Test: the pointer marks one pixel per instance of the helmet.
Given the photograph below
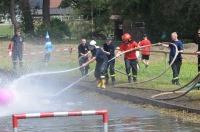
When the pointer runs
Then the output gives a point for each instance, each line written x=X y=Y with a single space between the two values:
x=126 y=37
x=93 y=43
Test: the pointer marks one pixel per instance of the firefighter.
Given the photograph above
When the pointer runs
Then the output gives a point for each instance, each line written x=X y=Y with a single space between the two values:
x=83 y=51
x=17 y=44
x=198 y=50
x=101 y=63
x=109 y=49
x=130 y=58
x=176 y=66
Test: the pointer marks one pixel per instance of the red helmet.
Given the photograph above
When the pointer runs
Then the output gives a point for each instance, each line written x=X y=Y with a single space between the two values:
x=126 y=37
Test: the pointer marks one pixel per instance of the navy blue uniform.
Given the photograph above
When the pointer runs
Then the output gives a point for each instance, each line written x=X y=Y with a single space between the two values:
x=176 y=66
x=111 y=49
x=101 y=63
x=17 y=50
x=197 y=41
x=83 y=49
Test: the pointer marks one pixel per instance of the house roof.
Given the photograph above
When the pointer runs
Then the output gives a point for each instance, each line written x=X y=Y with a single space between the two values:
x=38 y=3
x=55 y=3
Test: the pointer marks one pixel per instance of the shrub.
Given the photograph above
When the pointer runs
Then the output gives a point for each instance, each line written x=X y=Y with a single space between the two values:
x=57 y=29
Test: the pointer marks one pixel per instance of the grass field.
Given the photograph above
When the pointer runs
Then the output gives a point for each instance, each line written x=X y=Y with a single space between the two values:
x=6 y=30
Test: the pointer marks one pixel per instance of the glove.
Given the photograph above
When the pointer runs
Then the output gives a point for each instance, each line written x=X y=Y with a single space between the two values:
x=10 y=53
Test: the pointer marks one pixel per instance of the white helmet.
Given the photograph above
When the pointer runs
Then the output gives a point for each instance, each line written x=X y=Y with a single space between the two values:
x=93 y=43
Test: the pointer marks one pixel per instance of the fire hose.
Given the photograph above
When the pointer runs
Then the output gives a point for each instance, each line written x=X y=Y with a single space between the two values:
x=177 y=52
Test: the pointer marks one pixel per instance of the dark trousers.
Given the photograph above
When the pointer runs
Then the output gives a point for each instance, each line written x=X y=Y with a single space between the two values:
x=111 y=67
x=17 y=54
x=176 y=66
x=131 y=64
x=100 y=70
x=84 y=70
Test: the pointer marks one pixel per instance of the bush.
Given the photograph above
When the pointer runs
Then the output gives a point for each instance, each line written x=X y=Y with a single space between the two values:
x=57 y=29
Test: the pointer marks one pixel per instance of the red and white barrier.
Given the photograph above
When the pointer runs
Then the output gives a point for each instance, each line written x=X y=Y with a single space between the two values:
x=104 y=113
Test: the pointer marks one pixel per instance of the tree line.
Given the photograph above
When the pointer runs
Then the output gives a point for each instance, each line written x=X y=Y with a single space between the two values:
x=163 y=16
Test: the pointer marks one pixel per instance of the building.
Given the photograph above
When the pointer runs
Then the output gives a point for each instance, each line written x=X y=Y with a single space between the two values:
x=55 y=10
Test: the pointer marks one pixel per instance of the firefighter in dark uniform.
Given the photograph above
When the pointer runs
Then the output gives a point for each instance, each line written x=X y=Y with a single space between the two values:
x=109 y=49
x=198 y=50
x=176 y=66
x=101 y=63
x=130 y=58
x=83 y=51
x=17 y=44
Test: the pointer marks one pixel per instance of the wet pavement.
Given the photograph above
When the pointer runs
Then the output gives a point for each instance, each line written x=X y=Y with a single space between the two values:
x=37 y=95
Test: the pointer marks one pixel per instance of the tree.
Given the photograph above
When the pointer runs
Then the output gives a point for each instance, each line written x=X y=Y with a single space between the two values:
x=27 y=17
x=11 y=4
x=45 y=10
x=96 y=11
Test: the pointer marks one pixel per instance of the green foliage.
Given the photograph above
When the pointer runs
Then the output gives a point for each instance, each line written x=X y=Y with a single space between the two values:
x=162 y=16
x=97 y=12
x=57 y=29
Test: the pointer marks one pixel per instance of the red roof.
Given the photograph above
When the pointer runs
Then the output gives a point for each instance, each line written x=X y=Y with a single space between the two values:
x=55 y=3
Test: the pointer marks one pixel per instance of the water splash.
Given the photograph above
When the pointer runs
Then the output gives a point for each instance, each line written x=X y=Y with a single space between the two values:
x=31 y=93
x=73 y=84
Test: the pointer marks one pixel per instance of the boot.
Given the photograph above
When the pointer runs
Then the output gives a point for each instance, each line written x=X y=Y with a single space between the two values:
x=99 y=83
x=103 y=83
x=134 y=79
x=129 y=79
x=113 y=81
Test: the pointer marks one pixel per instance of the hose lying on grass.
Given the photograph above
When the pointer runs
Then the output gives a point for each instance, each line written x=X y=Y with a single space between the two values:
x=189 y=86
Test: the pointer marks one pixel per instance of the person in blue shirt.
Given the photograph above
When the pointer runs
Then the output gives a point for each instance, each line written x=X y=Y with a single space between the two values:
x=109 y=49
x=101 y=63
x=48 y=50
x=176 y=66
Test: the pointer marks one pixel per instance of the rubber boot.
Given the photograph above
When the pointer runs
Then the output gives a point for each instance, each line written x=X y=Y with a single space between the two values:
x=129 y=79
x=113 y=81
x=99 y=83
x=134 y=79
x=103 y=83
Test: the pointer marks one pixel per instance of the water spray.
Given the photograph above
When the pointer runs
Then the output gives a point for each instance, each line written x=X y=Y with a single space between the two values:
x=47 y=73
x=73 y=84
